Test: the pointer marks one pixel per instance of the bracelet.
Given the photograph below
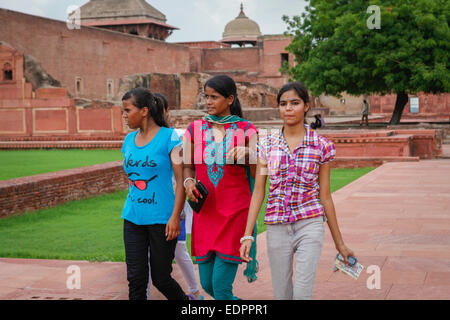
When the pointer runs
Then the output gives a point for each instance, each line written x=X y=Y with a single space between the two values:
x=186 y=180
x=247 y=238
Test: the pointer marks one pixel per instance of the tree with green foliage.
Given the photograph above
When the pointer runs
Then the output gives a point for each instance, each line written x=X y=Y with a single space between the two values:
x=372 y=47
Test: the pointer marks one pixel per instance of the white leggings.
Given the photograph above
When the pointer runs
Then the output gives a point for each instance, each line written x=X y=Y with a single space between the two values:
x=304 y=239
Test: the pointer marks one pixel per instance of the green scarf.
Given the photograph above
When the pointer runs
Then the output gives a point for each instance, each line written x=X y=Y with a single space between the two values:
x=253 y=265
x=223 y=120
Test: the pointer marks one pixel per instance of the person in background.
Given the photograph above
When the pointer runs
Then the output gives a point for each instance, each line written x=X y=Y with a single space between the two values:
x=365 y=113
x=318 y=123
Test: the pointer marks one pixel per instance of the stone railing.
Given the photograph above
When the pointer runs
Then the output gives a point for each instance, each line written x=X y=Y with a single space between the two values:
x=50 y=189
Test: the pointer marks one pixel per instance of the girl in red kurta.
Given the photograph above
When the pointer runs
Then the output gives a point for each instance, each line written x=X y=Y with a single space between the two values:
x=219 y=157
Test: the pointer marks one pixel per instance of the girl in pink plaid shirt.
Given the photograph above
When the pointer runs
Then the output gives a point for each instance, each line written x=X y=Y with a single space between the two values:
x=296 y=159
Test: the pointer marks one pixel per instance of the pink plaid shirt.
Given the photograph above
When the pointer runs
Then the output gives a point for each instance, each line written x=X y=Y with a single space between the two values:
x=294 y=185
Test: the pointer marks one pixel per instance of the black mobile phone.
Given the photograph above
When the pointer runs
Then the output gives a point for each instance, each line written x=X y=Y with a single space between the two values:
x=196 y=206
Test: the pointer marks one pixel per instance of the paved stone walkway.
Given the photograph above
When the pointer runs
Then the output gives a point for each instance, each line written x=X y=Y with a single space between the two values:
x=397 y=218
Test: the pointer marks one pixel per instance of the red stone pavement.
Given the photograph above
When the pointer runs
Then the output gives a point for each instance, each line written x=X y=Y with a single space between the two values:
x=397 y=217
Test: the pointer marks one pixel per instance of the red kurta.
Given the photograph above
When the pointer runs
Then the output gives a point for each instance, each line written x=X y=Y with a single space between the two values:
x=222 y=220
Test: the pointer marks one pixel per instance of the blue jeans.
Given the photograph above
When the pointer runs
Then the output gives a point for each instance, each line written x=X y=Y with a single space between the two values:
x=217 y=277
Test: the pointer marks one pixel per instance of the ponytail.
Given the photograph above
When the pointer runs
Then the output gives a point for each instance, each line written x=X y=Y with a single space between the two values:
x=158 y=112
x=162 y=99
x=235 y=108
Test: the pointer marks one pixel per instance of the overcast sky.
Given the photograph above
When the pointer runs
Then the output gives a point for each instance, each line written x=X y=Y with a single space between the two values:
x=198 y=20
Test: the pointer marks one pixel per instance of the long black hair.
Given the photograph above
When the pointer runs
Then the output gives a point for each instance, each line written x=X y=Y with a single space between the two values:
x=144 y=98
x=226 y=86
x=299 y=88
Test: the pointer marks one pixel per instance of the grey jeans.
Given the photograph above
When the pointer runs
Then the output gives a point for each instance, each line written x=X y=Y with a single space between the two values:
x=304 y=239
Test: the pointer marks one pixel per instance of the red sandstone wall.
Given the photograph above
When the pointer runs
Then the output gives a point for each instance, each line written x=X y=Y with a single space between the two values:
x=231 y=59
x=52 y=113
x=258 y=64
x=95 y=56
x=92 y=54
x=196 y=59
x=428 y=104
x=271 y=60
x=15 y=59
x=49 y=111
x=189 y=89
x=49 y=189
x=169 y=85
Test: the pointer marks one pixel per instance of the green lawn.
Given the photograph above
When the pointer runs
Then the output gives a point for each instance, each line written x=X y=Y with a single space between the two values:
x=90 y=229
x=22 y=163
x=341 y=177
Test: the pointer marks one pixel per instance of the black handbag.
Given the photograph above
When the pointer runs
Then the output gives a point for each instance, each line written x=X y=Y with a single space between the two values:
x=196 y=206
